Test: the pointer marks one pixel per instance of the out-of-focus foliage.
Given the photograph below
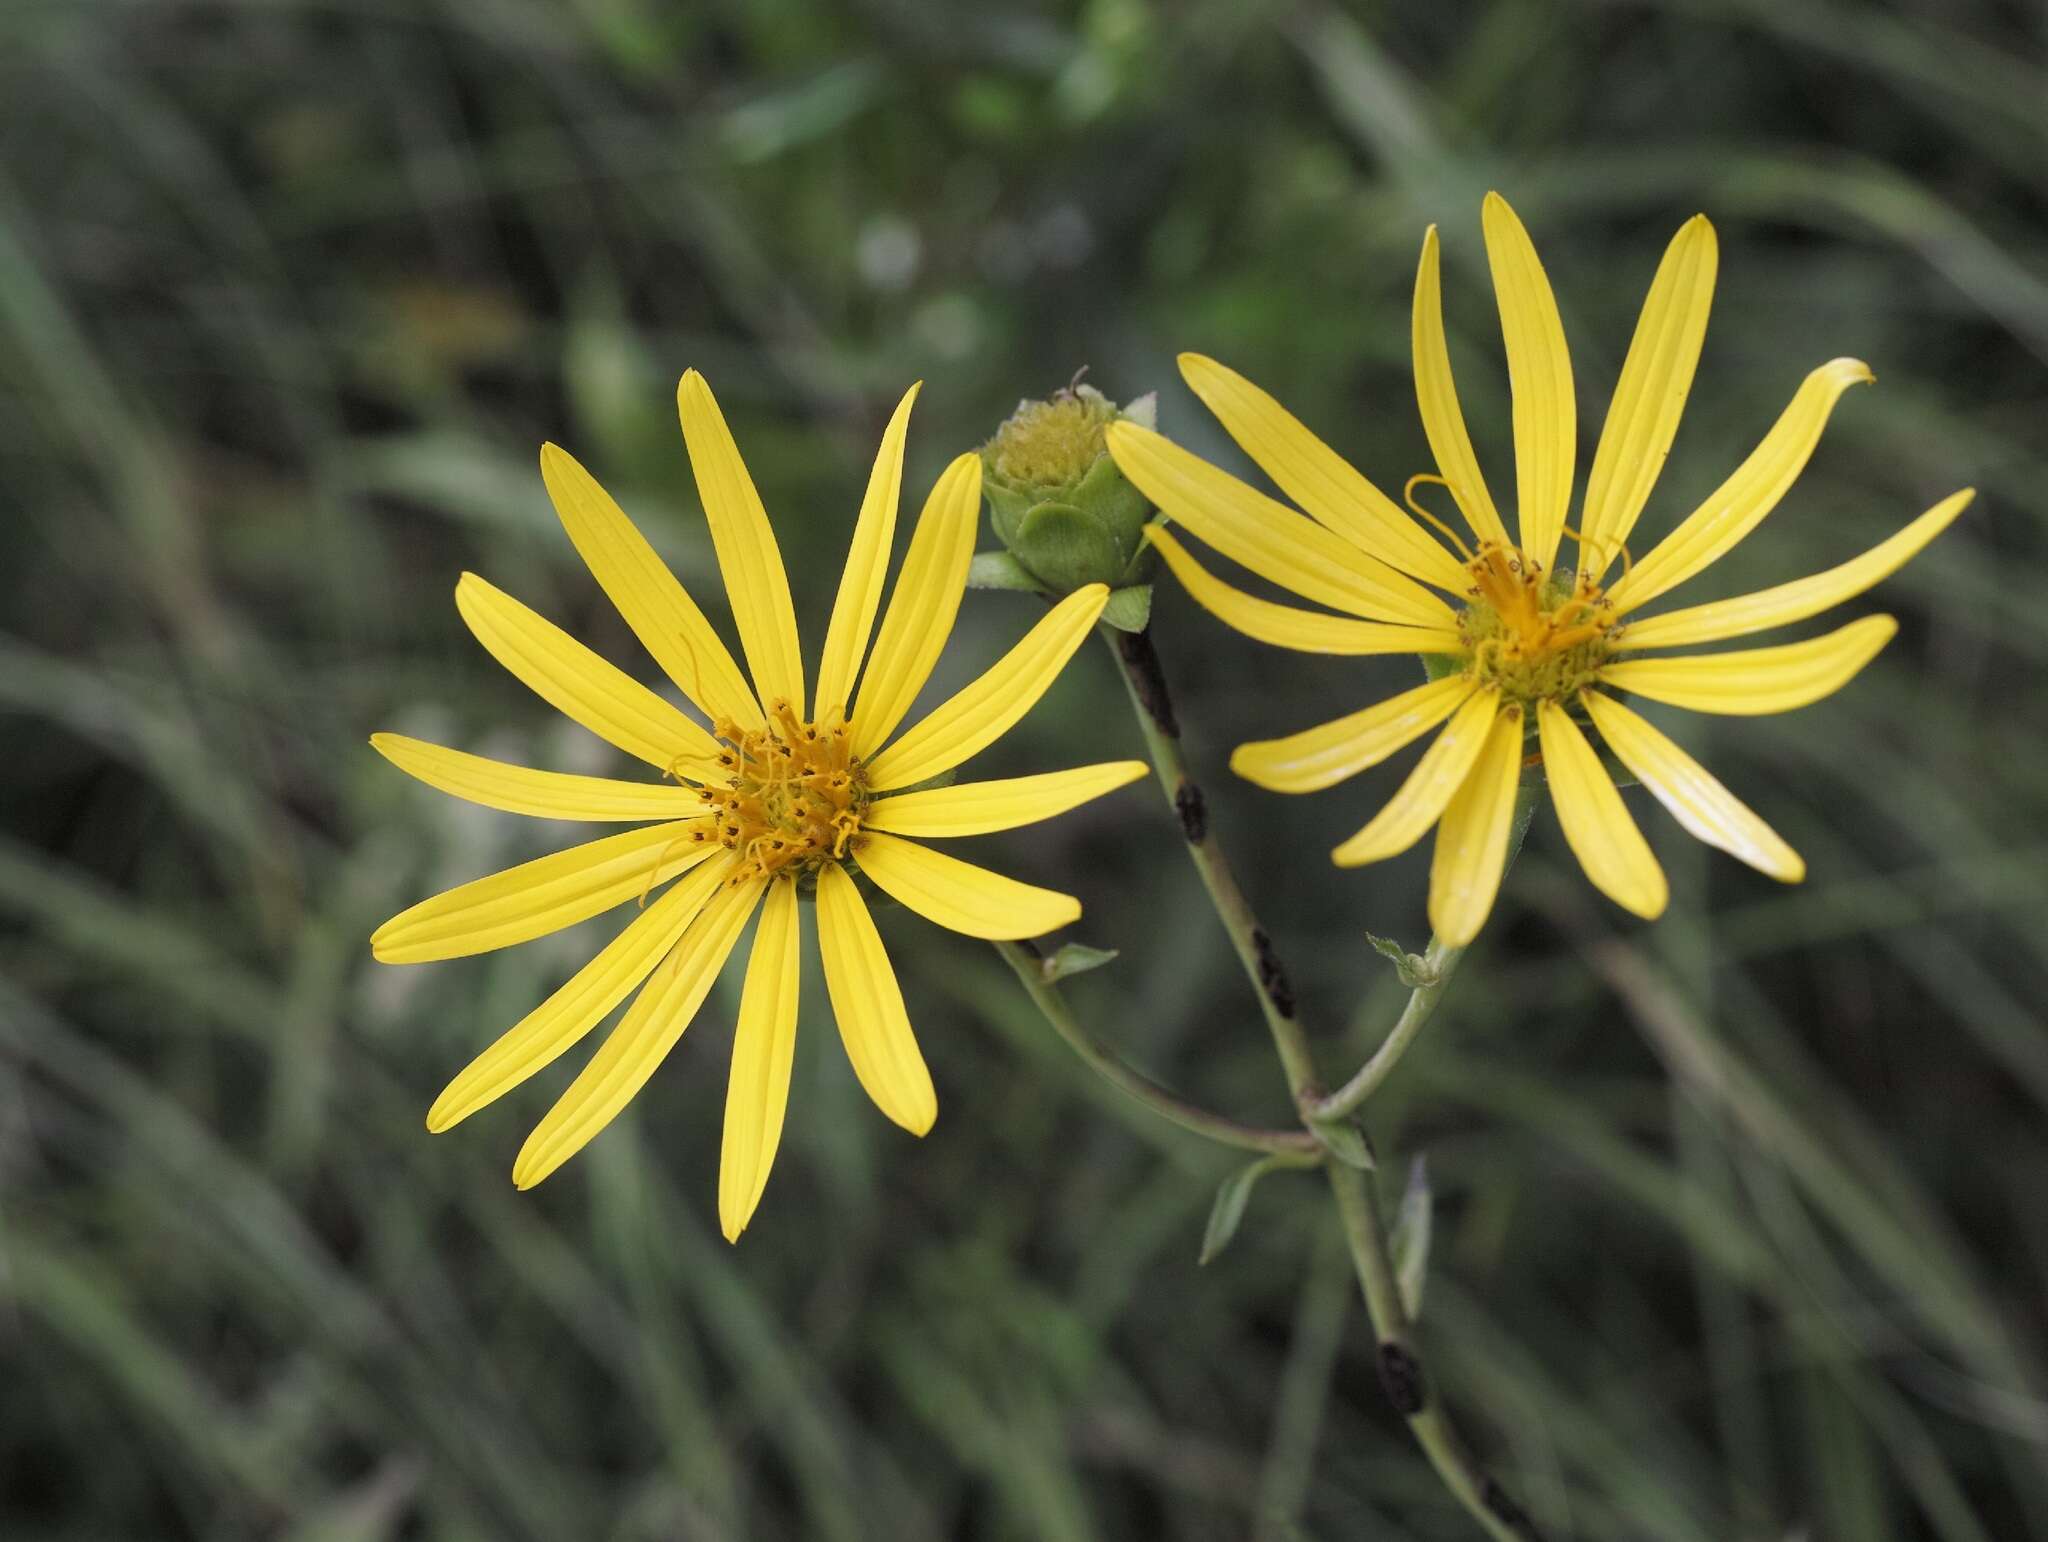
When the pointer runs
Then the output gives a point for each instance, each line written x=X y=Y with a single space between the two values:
x=1738 y=1227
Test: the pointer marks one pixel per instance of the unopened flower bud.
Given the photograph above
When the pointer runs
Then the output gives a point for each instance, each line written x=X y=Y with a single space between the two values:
x=1057 y=500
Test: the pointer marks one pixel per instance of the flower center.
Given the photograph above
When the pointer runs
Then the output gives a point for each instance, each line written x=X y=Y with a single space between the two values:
x=794 y=796
x=1530 y=635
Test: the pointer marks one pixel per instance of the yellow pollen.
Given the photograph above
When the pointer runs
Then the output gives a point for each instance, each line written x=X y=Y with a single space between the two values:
x=1533 y=636
x=794 y=796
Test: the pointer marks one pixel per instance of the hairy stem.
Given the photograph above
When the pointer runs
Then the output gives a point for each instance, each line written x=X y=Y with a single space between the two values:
x=1126 y=1078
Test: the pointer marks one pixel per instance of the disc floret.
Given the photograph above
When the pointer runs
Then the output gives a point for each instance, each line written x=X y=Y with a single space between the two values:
x=1531 y=635
x=794 y=794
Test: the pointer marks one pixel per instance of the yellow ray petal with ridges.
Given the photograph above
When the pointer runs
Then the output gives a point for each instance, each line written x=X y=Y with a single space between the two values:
x=650 y=597
x=922 y=608
x=763 y=1049
x=649 y=1030
x=524 y=790
x=1317 y=478
x=975 y=808
x=1804 y=597
x=981 y=713
x=755 y=582
x=960 y=896
x=582 y=1003
x=1739 y=504
x=1472 y=839
x=1274 y=541
x=541 y=896
x=1546 y=412
x=1436 y=394
x=1286 y=626
x=1597 y=825
x=576 y=682
x=1421 y=798
x=1753 y=681
x=867 y=565
x=868 y=1005
x=1708 y=811
x=1650 y=396
x=1325 y=755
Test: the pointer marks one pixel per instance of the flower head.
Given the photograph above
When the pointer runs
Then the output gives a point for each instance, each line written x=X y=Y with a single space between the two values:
x=783 y=794
x=1526 y=652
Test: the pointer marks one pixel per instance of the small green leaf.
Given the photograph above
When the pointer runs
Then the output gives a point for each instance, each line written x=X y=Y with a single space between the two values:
x=1231 y=1196
x=1067 y=546
x=1413 y=968
x=1000 y=570
x=1347 y=1143
x=1074 y=958
x=1129 y=610
x=1411 y=1238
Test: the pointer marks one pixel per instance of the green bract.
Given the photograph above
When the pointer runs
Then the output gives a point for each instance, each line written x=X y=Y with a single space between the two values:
x=1056 y=498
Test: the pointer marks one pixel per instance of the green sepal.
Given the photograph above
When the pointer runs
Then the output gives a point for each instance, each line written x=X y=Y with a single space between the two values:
x=1000 y=570
x=1232 y=1194
x=1129 y=609
x=1066 y=548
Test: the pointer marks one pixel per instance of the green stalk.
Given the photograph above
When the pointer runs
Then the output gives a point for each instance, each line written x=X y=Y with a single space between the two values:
x=1297 y=1144
x=1365 y=1234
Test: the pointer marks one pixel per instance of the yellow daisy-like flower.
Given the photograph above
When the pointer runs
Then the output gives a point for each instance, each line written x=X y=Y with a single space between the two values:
x=1526 y=649
x=766 y=801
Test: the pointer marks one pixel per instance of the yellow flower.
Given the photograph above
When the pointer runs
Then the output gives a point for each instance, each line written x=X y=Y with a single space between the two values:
x=1523 y=647
x=766 y=801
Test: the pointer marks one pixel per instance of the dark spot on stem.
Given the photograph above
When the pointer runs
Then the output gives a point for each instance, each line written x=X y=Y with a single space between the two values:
x=1401 y=1379
x=1148 y=679
x=1507 y=1512
x=1273 y=975
x=1194 y=812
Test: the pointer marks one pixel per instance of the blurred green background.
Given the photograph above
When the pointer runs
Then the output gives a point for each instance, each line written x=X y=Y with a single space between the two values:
x=1740 y=1230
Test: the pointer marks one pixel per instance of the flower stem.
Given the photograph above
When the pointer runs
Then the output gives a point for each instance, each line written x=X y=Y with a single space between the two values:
x=1052 y=1003
x=1146 y=681
x=1365 y=1233
x=1438 y=964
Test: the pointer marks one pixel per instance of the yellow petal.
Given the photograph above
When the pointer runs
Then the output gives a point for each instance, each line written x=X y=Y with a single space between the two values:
x=1317 y=478
x=1285 y=626
x=1437 y=395
x=763 y=1049
x=981 y=713
x=960 y=896
x=1754 y=681
x=1325 y=755
x=1272 y=540
x=748 y=557
x=869 y=1006
x=523 y=790
x=1708 y=811
x=1596 y=824
x=1472 y=841
x=643 y=1038
x=922 y=608
x=1643 y=417
x=975 y=808
x=1546 y=413
x=650 y=597
x=867 y=564
x=543 y=895
x=1794 y=601
x=1739 y=504
x=582 y=1003
x=576 y=682
x=1421 y=798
